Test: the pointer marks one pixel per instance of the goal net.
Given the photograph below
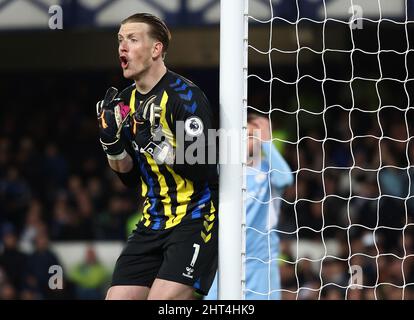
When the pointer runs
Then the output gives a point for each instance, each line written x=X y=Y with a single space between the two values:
x=335 y=80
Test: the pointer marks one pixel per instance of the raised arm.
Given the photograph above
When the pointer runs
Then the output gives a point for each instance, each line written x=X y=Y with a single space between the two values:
x=281 y=174
x=112 y=114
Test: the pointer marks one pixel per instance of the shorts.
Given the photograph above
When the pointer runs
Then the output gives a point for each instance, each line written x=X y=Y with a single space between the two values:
x=186 y=253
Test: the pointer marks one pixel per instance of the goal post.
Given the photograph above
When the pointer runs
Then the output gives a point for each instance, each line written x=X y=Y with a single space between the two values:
x=233 y=104
x=336 y=82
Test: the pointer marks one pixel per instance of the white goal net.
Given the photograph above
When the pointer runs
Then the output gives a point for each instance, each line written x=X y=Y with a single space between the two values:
x=335 y=79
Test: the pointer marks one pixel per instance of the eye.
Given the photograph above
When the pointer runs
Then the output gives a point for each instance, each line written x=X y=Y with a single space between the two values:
x=133 y=40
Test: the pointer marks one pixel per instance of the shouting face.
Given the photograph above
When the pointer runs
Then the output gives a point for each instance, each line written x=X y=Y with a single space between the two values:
x=137 y=50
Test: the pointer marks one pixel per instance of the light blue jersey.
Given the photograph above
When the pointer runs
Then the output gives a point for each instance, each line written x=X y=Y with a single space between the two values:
x=264 y=183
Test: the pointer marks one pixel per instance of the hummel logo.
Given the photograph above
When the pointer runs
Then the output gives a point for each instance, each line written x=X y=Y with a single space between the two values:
x=189 y=272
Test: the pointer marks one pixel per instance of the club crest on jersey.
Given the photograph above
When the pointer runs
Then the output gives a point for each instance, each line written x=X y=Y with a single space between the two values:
x=194 y=126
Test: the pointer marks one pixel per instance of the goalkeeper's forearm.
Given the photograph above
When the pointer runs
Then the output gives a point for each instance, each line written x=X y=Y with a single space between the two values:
x=127 y=171
x=122 y=166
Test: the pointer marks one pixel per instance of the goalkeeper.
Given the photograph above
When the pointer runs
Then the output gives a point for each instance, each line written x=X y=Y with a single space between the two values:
x=268 y=174
x=154 y=134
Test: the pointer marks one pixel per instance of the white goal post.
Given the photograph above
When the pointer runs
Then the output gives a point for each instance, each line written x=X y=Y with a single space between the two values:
x=233 y=104
x=337 y=77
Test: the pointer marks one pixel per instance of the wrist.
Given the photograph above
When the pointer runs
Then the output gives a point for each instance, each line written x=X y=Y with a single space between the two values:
x=121 y=166
x=117 y=157
x=114 y=148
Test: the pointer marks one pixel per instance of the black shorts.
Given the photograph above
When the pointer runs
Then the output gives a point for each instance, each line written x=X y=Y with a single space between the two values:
x=186 y=253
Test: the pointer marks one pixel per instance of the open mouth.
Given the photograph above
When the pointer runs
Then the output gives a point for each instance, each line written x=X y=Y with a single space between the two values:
x=124 y=62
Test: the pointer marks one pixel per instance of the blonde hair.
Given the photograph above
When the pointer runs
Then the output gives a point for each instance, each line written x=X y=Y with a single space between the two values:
x=158 y=29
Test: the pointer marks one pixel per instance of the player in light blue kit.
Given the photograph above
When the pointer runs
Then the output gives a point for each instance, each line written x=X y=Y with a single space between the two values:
x=268 y=174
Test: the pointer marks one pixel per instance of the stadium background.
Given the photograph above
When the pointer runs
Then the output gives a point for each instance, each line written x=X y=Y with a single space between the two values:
x=60 y=204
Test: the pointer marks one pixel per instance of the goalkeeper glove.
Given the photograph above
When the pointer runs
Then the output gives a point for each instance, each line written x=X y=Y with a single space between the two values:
x=147 y=133
x=112 y=115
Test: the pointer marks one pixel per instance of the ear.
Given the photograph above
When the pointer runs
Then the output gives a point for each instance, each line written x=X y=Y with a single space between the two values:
x=157 y=49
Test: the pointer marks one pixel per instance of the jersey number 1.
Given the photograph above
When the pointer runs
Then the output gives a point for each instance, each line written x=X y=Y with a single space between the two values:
x=195 y=255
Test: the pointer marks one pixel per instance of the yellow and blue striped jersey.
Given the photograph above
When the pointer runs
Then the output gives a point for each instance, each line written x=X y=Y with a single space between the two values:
x=176 y=192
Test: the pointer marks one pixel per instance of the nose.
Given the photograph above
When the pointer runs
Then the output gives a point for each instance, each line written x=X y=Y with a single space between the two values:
x=123 y=47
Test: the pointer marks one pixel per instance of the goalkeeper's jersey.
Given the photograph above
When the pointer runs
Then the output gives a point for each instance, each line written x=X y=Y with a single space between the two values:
x=181 y=191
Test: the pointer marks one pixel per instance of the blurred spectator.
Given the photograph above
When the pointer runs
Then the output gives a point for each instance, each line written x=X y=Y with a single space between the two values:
x=39 y=263
x=90 y=277
x=334 y=272
x=8 y=292
x=72 y=220
x=82 y=215
x=333 y=293
x=12 y=260
x=29 y=163
x=309 y=290
x=96 y=193
x=355 y=294
x=30 y=294
x=112 y=223
x=5 y=154
x=33 y=225
x=3 y=276
x=55 y=167
x=288 y=279
x=305 y=273
x=393 y=181
x=16 y=194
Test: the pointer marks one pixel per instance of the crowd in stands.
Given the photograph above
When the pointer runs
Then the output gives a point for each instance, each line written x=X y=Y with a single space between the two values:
x=55 y=186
